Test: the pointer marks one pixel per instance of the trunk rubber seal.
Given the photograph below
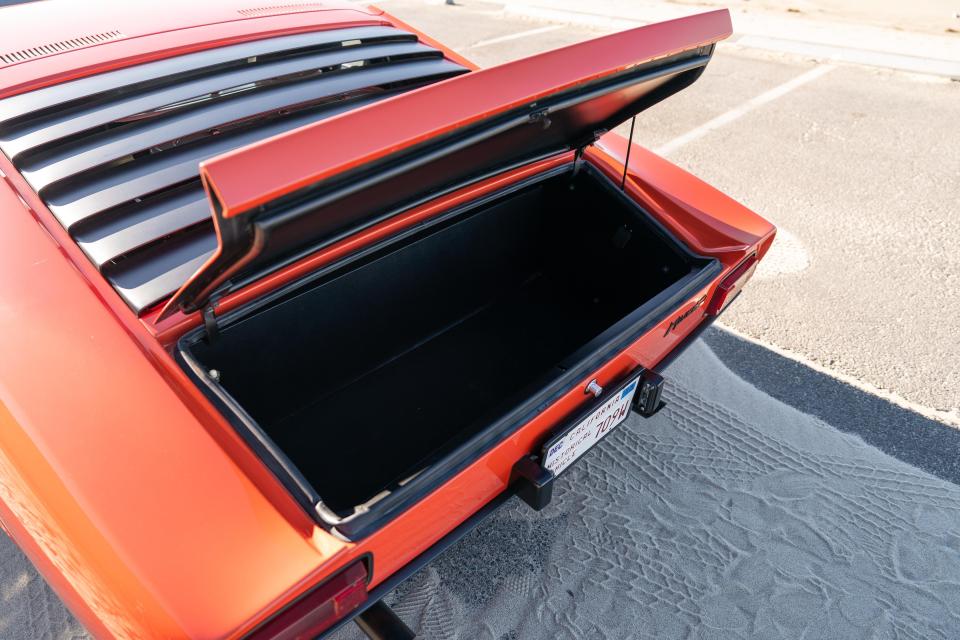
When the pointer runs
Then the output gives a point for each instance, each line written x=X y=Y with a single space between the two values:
x=458 y=533
x=371 y=516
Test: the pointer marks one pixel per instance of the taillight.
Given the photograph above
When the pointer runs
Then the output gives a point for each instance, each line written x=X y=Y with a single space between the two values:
x=728 y=289
x=317 y=611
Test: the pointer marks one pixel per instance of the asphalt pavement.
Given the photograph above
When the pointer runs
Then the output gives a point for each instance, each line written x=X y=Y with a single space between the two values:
x=857 y=164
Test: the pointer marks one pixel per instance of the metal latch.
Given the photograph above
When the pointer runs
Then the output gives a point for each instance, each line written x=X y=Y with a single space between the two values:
x=594 y=388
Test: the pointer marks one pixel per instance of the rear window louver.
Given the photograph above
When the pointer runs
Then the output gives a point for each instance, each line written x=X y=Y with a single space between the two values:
x=116 y=156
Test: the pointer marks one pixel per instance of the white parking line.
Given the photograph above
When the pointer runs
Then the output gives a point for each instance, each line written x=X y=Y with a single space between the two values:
x=855 y=44
x=883 y=59
x=740 y=111
x=951 y=418
x=516 y=36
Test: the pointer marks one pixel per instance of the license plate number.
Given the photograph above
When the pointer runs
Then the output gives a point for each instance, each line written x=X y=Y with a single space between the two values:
x=566 y=447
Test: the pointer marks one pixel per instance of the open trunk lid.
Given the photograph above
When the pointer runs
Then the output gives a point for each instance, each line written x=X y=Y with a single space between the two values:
x=279 y=199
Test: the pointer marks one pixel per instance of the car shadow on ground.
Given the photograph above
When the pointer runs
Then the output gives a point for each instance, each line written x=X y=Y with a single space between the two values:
x=898 y=432
x=667 y=506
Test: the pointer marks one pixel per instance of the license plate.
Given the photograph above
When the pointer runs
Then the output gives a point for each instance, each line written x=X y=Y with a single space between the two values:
x=566 y=447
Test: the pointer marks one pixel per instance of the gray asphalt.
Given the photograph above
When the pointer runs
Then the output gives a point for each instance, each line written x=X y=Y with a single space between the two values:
x=860 y=168
x=898 y=432
x=726 y=516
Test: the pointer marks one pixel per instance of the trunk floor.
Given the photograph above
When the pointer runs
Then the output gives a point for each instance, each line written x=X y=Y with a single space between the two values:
x=386 y=425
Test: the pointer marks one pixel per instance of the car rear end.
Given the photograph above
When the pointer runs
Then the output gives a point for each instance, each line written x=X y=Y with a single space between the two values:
x=315 y=415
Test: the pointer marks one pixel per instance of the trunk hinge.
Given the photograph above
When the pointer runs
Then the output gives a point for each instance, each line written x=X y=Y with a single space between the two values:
x=626 y=161
x=210 y=324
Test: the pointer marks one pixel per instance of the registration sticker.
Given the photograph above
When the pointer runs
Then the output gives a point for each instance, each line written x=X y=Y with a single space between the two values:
x=566 y=447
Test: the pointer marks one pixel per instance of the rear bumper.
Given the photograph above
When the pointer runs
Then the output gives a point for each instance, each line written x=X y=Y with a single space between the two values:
x=453 y=537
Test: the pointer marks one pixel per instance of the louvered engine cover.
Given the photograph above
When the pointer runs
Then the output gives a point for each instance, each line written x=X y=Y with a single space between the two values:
x=116 y=156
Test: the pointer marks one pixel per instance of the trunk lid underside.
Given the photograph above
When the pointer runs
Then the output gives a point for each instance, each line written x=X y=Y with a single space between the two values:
x=277 y=200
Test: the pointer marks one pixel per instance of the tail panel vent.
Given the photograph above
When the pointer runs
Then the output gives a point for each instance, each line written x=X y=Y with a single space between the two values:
x=295 y=7
x=13 y=57
x=116 y=156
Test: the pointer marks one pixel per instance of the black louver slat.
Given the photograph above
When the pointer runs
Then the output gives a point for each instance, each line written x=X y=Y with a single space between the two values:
x=180 y=129
x=116 y=235
x=116 y=156
x=105 y=86
x=116 y=116
x=163 y=267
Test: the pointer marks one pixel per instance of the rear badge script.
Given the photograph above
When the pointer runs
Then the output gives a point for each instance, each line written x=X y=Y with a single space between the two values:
x=686 y=314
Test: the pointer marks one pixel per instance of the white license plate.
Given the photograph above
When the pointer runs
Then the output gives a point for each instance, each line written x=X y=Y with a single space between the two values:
x=566 y=447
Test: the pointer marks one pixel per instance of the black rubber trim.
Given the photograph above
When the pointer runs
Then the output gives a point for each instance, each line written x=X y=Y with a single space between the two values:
x=175 y=128
x=76 y=199
x=127 y=111
x=434 y=552
x=264 y=446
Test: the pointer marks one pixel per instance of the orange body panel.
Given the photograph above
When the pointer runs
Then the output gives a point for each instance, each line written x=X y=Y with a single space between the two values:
x=133 y=496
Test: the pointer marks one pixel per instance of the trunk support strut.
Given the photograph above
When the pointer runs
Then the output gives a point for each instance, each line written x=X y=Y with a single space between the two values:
x=626 y=162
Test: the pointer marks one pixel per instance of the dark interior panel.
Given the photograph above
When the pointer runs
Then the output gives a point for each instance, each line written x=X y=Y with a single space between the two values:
x=371 y=374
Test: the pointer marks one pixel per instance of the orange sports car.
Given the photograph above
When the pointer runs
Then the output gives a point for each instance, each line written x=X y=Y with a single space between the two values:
x=292 y=296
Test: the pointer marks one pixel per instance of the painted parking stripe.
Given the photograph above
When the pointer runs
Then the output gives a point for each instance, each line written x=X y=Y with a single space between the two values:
x=516 y=36
x=897 y=58
x=883 y=59
x=951 y=418
x=745 y=108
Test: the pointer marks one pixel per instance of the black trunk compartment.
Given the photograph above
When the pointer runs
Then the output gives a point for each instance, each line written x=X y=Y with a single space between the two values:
x=366 y=384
